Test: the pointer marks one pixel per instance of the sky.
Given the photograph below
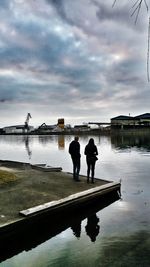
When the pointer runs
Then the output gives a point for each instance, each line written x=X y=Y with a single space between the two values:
x=83 y=60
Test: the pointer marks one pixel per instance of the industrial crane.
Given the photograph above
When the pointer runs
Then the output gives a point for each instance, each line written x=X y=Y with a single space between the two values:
x=26 y=124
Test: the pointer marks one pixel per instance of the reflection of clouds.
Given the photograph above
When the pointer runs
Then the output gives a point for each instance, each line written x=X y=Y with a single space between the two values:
x=124 y=205
x=9 y=139
x=145 y=154
x=45 y=139
x=55 y=139
x=132 y=248
x=138 y=192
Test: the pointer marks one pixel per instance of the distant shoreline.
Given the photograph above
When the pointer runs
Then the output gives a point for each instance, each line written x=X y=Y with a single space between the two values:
x=139 y=130
x=61 y=133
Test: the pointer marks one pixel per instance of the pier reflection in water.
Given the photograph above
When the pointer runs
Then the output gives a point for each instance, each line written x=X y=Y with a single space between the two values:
x=124 y=225
x=33 y=235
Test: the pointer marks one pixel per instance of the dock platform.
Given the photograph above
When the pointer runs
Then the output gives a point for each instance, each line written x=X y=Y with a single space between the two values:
x=36 y=201
x=35 y=191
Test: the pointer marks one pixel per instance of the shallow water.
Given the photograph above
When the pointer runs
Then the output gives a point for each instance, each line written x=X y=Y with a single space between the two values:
x=123 y=231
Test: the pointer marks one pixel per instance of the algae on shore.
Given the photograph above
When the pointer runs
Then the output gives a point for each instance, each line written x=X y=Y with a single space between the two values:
x=6 y=177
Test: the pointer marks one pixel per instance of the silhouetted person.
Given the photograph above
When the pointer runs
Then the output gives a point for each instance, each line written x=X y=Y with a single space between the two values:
x=74 y=150
x=92 y=227
x=76 y=228
x=91 y=152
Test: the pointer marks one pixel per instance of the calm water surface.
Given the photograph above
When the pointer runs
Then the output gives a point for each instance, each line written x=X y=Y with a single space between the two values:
x=122 y=236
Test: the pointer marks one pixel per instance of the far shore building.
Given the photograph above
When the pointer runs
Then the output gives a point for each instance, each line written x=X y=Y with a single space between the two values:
x=125 y=122
x=119 y=121
x=16 y=129
x=82 y=128
x=143 y=119
x=44 y=128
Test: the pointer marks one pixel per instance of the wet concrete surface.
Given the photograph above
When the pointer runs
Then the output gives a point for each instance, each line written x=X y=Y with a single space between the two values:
x=34 y=187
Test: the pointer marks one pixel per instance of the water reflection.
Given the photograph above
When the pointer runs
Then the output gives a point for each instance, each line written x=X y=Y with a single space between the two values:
x=12 y=139
x=51 y=225
x=76 y=228
x=26 y=139
x=45 y=139
x=59 y=139
x=128 y=141
x=117 y=141
x=27 y=145
x=122 y=224
x=61 y=142
x=92 y=227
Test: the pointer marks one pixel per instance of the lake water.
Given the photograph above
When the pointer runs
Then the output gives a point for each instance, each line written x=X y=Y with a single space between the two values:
x=122 y=235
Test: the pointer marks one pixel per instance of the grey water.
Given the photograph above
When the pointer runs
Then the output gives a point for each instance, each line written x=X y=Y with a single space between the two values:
x=122 y=235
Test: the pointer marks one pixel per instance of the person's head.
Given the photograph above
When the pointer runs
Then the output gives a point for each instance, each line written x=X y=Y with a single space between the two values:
x=91 y=141
x=76 y=138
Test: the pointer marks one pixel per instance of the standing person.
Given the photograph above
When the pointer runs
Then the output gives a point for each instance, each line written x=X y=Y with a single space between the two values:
x=74 y=150
x=91 y=152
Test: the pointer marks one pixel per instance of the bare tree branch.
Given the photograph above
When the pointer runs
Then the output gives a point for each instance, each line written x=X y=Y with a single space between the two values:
x=114 y=3
x=136 y=7
x=137 y=14
x=146 y=5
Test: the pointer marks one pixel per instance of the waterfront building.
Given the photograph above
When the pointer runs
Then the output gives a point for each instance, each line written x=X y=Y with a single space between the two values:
x=125 y=122
x=82 y=128
x=15 y=129
x=143 y=119
x=44 y=128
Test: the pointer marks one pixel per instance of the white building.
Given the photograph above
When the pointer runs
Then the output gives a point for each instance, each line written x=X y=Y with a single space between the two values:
x=17 y=129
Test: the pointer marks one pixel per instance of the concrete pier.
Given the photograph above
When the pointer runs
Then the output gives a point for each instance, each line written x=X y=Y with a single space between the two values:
x=35 y=191
x=37 y=204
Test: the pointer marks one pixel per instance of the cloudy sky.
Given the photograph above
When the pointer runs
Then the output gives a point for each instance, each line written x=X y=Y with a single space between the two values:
x=81 y=60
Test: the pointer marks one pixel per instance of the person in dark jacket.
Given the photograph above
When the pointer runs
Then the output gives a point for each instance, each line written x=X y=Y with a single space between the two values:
x=74 y=150
x=91 y=152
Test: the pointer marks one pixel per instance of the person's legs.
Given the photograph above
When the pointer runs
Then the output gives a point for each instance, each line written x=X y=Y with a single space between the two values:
x=74 y=168
x=93 y=171
x=88 y=170
x=77 y=168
